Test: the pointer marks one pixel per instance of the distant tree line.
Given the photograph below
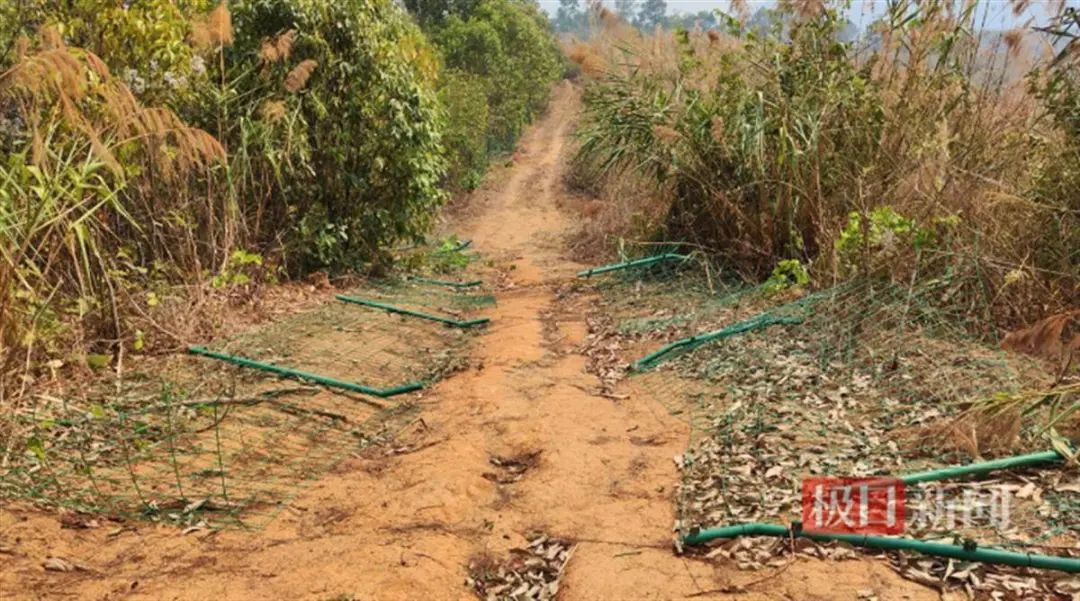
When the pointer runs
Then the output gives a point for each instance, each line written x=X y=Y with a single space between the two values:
x=572 y=17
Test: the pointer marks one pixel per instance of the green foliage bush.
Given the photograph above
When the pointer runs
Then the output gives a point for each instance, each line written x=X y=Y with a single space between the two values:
x=464 y=98
x=162 y=142
x=368 y=115
x=787 y=273
x=501 y=49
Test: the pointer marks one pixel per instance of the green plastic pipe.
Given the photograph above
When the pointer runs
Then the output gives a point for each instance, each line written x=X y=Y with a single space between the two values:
x=962 y=552
x=462 y=245
x=999 y=556
x=468 y=284
x=631 y=264
x=983 y=467
x=757 y=322
x=392 y=309
x=303 y=375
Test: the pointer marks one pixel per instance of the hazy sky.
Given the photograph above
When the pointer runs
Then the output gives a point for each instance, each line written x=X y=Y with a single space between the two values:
x=999 y=12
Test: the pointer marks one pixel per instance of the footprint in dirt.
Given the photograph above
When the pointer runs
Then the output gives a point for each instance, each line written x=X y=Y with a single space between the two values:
x=512 y=468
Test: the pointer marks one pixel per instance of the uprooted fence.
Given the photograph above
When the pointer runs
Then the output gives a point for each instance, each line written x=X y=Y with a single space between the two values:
x=866 y=378
x=221 y=439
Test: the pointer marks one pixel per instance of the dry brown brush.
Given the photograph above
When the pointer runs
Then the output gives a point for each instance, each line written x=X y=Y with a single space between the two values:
x=925 y=150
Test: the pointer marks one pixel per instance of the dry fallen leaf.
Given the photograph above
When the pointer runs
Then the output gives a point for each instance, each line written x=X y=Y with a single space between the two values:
x=59 y=564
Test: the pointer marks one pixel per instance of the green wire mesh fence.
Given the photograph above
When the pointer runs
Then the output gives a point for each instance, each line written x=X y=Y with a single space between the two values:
x=866 y=378
x=228 y=446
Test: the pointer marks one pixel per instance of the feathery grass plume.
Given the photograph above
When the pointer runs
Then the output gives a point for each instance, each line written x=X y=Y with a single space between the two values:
x=277 y=49
x=298 y=77
x=716 y=129
x=268 y=53
x=213 y=30
x=75 y=85
x=808 y=9
x=50 y=38
x=741 y=8
x=583 y=54
x=1014 y=41
x=272 y=111
x=607 y=19
x=220 y=24
x=284 y=44
x=665 y=133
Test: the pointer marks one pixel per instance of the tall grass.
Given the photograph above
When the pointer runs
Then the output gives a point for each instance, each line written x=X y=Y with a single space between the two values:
x=917 y=152
x=94 y=180
x=193 y=150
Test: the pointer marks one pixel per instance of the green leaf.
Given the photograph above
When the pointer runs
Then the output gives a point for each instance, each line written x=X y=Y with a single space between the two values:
x=37 y=447
x=98 y=361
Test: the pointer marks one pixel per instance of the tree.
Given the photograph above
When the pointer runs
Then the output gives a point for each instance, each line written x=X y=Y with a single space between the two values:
x=705 y=19
x=652 y=14
x=569 y=17
x=428 y=12
x=625 y=8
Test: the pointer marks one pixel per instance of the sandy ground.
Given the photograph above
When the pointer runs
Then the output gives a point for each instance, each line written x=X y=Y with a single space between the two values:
x=407 y=526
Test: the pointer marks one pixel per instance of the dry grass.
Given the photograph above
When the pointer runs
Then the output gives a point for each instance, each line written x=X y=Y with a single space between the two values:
x=65 y=229
x=298 y=77
x=623 y=209
x=214 y=30
x=278 y=49
x=764 y=166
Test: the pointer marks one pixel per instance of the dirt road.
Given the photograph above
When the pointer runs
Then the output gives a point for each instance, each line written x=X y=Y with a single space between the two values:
x=407 y=526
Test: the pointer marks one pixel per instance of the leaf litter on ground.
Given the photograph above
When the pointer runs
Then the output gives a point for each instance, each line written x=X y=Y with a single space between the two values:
x=769 y=408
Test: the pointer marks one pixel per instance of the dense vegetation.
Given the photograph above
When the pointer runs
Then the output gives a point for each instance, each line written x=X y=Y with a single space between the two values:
x=491 y=88
x=916 y=152
x=157 y=153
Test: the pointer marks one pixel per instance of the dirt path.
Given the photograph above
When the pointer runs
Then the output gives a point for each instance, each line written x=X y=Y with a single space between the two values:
x=406 y=526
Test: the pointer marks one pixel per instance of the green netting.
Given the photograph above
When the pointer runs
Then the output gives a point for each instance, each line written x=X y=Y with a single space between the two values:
x=360 y=344
x=225 y=445
x=867 y=382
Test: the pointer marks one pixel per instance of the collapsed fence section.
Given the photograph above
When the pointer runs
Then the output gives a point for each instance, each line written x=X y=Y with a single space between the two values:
x=222 y=440
x=868 y=378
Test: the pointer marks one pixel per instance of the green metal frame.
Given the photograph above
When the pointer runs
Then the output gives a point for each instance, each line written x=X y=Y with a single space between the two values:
x=968 y=552
x=962 y=552
x=757 y=322
x=632 y=264
x=297 y=374
x=468 y=323
x=469 y=284
x=984 y=467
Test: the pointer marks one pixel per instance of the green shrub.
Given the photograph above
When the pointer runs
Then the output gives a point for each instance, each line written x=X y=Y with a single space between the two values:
x=509 y=48
x=181 y=143
x=464 y=98
x=368 y=112
x=787 y=273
